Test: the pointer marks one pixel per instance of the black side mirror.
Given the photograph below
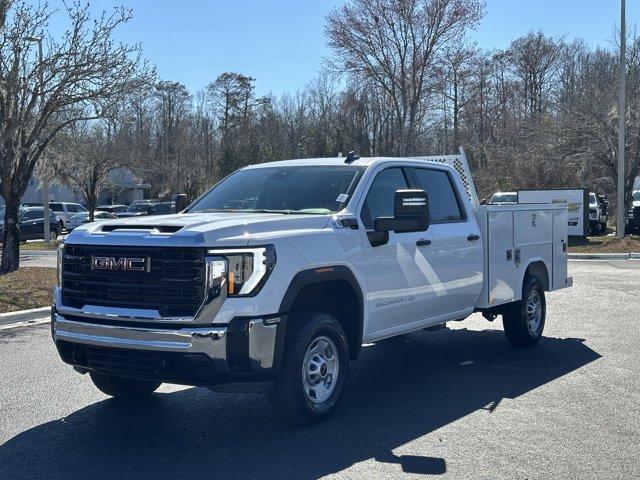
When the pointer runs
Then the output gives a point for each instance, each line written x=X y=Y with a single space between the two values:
x=181 y=202
x=410 y=213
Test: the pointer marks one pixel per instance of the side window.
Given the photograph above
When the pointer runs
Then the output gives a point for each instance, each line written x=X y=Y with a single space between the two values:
x=379 y=201
x=80 y=208
x=443 y=204
x=55 y=207
x=71 y=208
x=33 y=215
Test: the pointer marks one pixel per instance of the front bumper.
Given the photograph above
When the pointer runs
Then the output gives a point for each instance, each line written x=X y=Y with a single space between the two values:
x=246 y=350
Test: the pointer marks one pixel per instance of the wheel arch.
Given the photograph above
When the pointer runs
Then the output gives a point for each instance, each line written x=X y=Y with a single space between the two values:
x=537 y=267
x=332 y=289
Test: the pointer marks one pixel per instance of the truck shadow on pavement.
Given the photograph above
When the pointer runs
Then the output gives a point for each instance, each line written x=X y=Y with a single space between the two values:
x=399 y=391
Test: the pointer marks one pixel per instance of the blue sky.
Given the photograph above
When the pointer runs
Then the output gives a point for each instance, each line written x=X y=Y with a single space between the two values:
x=281 y=42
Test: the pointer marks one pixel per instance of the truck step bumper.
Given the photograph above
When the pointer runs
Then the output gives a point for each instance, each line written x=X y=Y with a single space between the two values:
x=244 y=349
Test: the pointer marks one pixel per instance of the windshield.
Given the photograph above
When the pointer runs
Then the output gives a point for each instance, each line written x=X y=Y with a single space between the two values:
x=636 y=195
x=138 y=207
x=592 y=198
x=504 y=198
x=317 y=189
x=79 y=216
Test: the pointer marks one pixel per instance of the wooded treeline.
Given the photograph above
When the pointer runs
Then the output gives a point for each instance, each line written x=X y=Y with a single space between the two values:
x=541 y=113
x=402 y=78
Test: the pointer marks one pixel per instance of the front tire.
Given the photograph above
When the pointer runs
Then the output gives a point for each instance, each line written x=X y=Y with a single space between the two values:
x=314 y=369
x=125 y=388
x=524 y=320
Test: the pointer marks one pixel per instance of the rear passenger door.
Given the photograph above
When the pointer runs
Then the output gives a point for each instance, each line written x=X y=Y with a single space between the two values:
x=457 y=245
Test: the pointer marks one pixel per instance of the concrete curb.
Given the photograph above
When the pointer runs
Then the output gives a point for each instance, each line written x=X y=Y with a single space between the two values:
x=603 y=256
x=24 y=315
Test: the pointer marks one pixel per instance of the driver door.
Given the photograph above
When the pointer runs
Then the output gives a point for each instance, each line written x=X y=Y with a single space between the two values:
x=399 y=274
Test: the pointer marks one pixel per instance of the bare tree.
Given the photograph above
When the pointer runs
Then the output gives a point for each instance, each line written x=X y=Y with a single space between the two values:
x=85 y=154
x=40 y=98
x=394 y=43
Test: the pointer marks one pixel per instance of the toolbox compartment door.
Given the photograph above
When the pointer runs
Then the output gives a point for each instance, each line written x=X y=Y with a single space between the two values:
x=560 y=247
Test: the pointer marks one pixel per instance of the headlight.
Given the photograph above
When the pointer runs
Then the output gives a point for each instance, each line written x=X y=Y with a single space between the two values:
x=245 y=269
x=59 y=264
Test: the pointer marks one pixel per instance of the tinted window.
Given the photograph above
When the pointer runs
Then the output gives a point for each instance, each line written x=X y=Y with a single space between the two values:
x=160 y=209
x=317 y=189
x=71 y=208
x=56 y=207
x=443 y=204
x=80 y=208
x=33 y=215
x=381 y=196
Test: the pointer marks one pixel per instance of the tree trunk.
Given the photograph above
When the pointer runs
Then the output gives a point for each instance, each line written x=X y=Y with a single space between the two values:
x=91 y=206
x=10 y=237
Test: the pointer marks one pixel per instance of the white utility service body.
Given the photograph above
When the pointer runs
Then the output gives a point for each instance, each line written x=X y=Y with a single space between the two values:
x=517 y=236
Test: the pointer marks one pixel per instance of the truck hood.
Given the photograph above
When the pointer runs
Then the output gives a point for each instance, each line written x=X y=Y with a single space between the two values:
x=193 y=229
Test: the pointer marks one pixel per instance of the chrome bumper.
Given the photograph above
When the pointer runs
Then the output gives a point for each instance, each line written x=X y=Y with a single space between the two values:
x=210 y=341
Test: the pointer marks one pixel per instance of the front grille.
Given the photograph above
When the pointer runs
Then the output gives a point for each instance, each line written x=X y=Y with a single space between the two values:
x=592 y=211
x=174 y=284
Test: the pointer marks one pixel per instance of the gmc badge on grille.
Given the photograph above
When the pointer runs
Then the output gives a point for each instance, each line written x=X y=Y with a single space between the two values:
x=126 y=264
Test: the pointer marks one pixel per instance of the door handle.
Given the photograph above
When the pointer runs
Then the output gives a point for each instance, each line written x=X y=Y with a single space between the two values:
x=473 y=237
x=423 y=242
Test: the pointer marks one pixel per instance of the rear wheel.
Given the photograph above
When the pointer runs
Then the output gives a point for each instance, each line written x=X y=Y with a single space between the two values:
x=123 y=387
x=314 y=368
x=524 y=321
x=53 y=235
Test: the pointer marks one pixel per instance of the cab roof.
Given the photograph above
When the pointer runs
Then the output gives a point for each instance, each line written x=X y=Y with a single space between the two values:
x=337 y=161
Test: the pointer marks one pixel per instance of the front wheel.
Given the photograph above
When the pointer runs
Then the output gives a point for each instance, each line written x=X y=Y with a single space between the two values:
x=119 y=387
x=524 y=321
x=314 y=368
x=53 y=235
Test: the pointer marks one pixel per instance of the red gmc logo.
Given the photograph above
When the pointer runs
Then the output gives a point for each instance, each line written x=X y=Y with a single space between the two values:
x=127 y=264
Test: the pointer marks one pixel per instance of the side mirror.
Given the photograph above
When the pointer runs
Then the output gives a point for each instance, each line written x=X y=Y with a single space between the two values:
x=410 y=213
x=181 y=202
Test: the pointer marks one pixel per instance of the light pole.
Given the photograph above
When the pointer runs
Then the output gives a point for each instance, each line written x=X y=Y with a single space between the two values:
x=45 y=179
x=621 y=124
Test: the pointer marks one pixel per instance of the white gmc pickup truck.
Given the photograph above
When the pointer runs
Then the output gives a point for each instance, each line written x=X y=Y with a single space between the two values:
x=275 y=277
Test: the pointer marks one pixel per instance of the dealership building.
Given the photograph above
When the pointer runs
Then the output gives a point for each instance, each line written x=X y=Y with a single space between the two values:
x=122 y=186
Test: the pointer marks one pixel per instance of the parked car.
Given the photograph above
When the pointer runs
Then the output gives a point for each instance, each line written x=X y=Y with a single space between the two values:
x=64 y=211
x=633 y=215
x=275 y=277
x=82 y=218
x=598 y=206
x=140 y=209
x=32 y=224
x=115 y=209
x=504 y=198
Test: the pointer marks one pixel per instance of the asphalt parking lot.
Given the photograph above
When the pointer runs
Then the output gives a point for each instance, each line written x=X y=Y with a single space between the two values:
x=458 y=403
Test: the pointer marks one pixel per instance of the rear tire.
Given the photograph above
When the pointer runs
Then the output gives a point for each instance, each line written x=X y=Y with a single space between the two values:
x=123 y=387
x=314 y=368
x=524 y=320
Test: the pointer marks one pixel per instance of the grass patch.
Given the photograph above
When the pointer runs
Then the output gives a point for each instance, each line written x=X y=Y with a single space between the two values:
x=28 y=287
x=39 y=245
x=630 y=244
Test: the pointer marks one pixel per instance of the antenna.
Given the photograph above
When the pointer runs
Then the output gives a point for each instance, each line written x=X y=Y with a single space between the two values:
x=351 y=157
